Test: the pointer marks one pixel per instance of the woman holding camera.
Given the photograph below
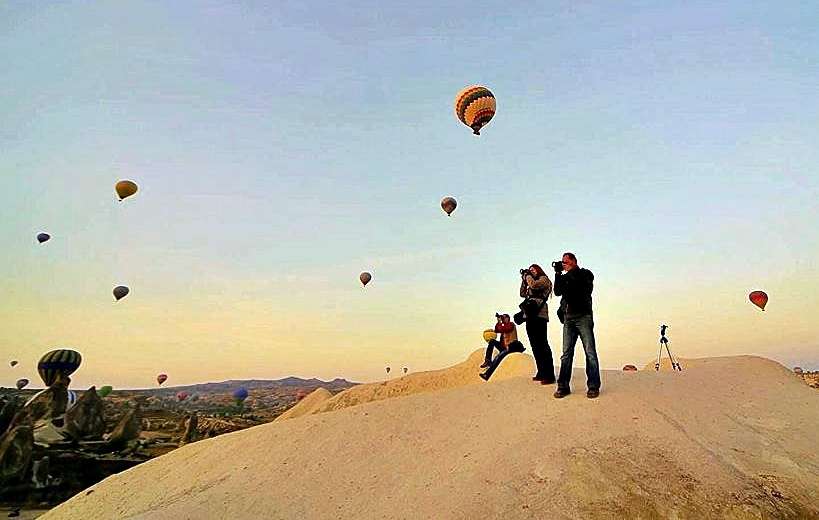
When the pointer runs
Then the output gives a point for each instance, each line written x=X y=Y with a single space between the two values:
x=536 y=287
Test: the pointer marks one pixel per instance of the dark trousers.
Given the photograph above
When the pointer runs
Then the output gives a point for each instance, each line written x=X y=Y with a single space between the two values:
x=490 y=349
x=515 y=346
x=582 y=327
x=536 y=330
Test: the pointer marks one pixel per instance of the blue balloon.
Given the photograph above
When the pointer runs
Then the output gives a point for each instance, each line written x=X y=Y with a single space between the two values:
x=240 y=393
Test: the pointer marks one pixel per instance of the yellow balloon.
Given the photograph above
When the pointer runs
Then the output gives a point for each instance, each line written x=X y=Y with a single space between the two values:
x=489 y=334
x=125 y=189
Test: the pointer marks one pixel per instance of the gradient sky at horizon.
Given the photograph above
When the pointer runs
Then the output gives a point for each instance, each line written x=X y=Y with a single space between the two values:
x=282 y=149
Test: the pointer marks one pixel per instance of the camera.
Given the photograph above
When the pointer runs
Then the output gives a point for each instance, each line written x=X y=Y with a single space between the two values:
x=557 y=266
x=524 y=272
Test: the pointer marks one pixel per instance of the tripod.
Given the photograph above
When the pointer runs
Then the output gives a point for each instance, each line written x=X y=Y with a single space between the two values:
x=664 y=343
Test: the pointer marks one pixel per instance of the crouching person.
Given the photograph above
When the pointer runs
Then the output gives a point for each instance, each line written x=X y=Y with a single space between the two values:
x=507 y=344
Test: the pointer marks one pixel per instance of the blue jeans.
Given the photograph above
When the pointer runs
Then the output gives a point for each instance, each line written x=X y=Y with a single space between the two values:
x=583 y=327
x=515 y=346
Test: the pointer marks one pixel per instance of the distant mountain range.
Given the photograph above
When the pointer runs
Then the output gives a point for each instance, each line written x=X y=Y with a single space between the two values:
x=288 y=383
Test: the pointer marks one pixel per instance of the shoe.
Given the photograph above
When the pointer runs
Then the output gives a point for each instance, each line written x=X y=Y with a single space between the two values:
x=591 y=394
x=484 y=376
x=547 y=381
x=485 y=365
x=560 y=393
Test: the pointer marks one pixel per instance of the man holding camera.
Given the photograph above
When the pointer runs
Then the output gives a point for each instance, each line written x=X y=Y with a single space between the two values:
x=575 y=287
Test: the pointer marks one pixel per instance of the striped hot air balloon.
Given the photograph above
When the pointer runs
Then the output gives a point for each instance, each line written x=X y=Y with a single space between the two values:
x=61 y=361
x=475 y=107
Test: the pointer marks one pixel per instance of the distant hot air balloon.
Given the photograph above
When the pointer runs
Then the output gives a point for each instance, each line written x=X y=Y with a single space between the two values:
x=240 y=394
x=301 y=394
x=161 y=378
x=448 y=204
x=489 y=334
x=13 y=362
x=105 y=390
x=181 y=396
x=388 y=370
x=475 y=107
x=405 y=370
x=22 y=383
x=365 y=278
x=43 y=237
x=759 y=298
x=629 y=368
x=120 y=292
x=56 y=362
x=125 y=189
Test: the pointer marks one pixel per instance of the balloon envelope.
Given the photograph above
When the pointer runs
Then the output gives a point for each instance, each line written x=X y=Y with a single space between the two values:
x=759 y=298
x=58 y=362
x=489 y=334
x=13 y=362
x=181 y=396
x=475 y=106
x=121 y=292
x=43 y=237
x=125 y=189
x=629 y=368
x=240 y=394
x=405 y=370
x=161 y=378
x=105 y=390
x=448 y=204
x=365 y=278
x=22 y=383
x=388 y=370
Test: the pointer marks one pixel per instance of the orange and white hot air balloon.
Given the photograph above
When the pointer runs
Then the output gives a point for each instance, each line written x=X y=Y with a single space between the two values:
x=475 y=107
x=759 y=298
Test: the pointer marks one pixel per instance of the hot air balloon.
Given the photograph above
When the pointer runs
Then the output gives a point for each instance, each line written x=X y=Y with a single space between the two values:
x=56 y=362
x=43 y=237
x=475 y=107
x=161 y=378
x=13 y=362
x=489 y=334
x=629 y=368
x=125 y=189
x=240 y=394
x=365 y=278
x=301 y=394
x=388 y=370
x=105 y=390
x=448 y=204
x=181 y=396
x=120 y=292
x=759 y=298
x=22 y=383
x=405 y=370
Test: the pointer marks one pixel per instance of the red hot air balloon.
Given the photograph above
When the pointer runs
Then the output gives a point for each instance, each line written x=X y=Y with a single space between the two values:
x=161 y=378
x=365 y=278
x=759 y=298
x=181 y=396
x=448 y=204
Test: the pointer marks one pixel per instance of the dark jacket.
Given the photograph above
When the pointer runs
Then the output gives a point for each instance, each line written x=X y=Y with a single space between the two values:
x=575 y=287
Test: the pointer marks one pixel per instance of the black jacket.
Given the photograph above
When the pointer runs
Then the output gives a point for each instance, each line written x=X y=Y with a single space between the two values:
x=575 y=287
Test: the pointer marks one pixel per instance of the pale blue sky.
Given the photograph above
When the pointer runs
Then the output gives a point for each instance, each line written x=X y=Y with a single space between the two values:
x=281 y=149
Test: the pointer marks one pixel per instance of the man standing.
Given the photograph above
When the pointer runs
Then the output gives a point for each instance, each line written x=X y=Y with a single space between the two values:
x=575 y=287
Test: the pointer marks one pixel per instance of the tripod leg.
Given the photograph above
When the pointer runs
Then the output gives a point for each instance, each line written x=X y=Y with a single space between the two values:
x=659 y=353
x=674 y=364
